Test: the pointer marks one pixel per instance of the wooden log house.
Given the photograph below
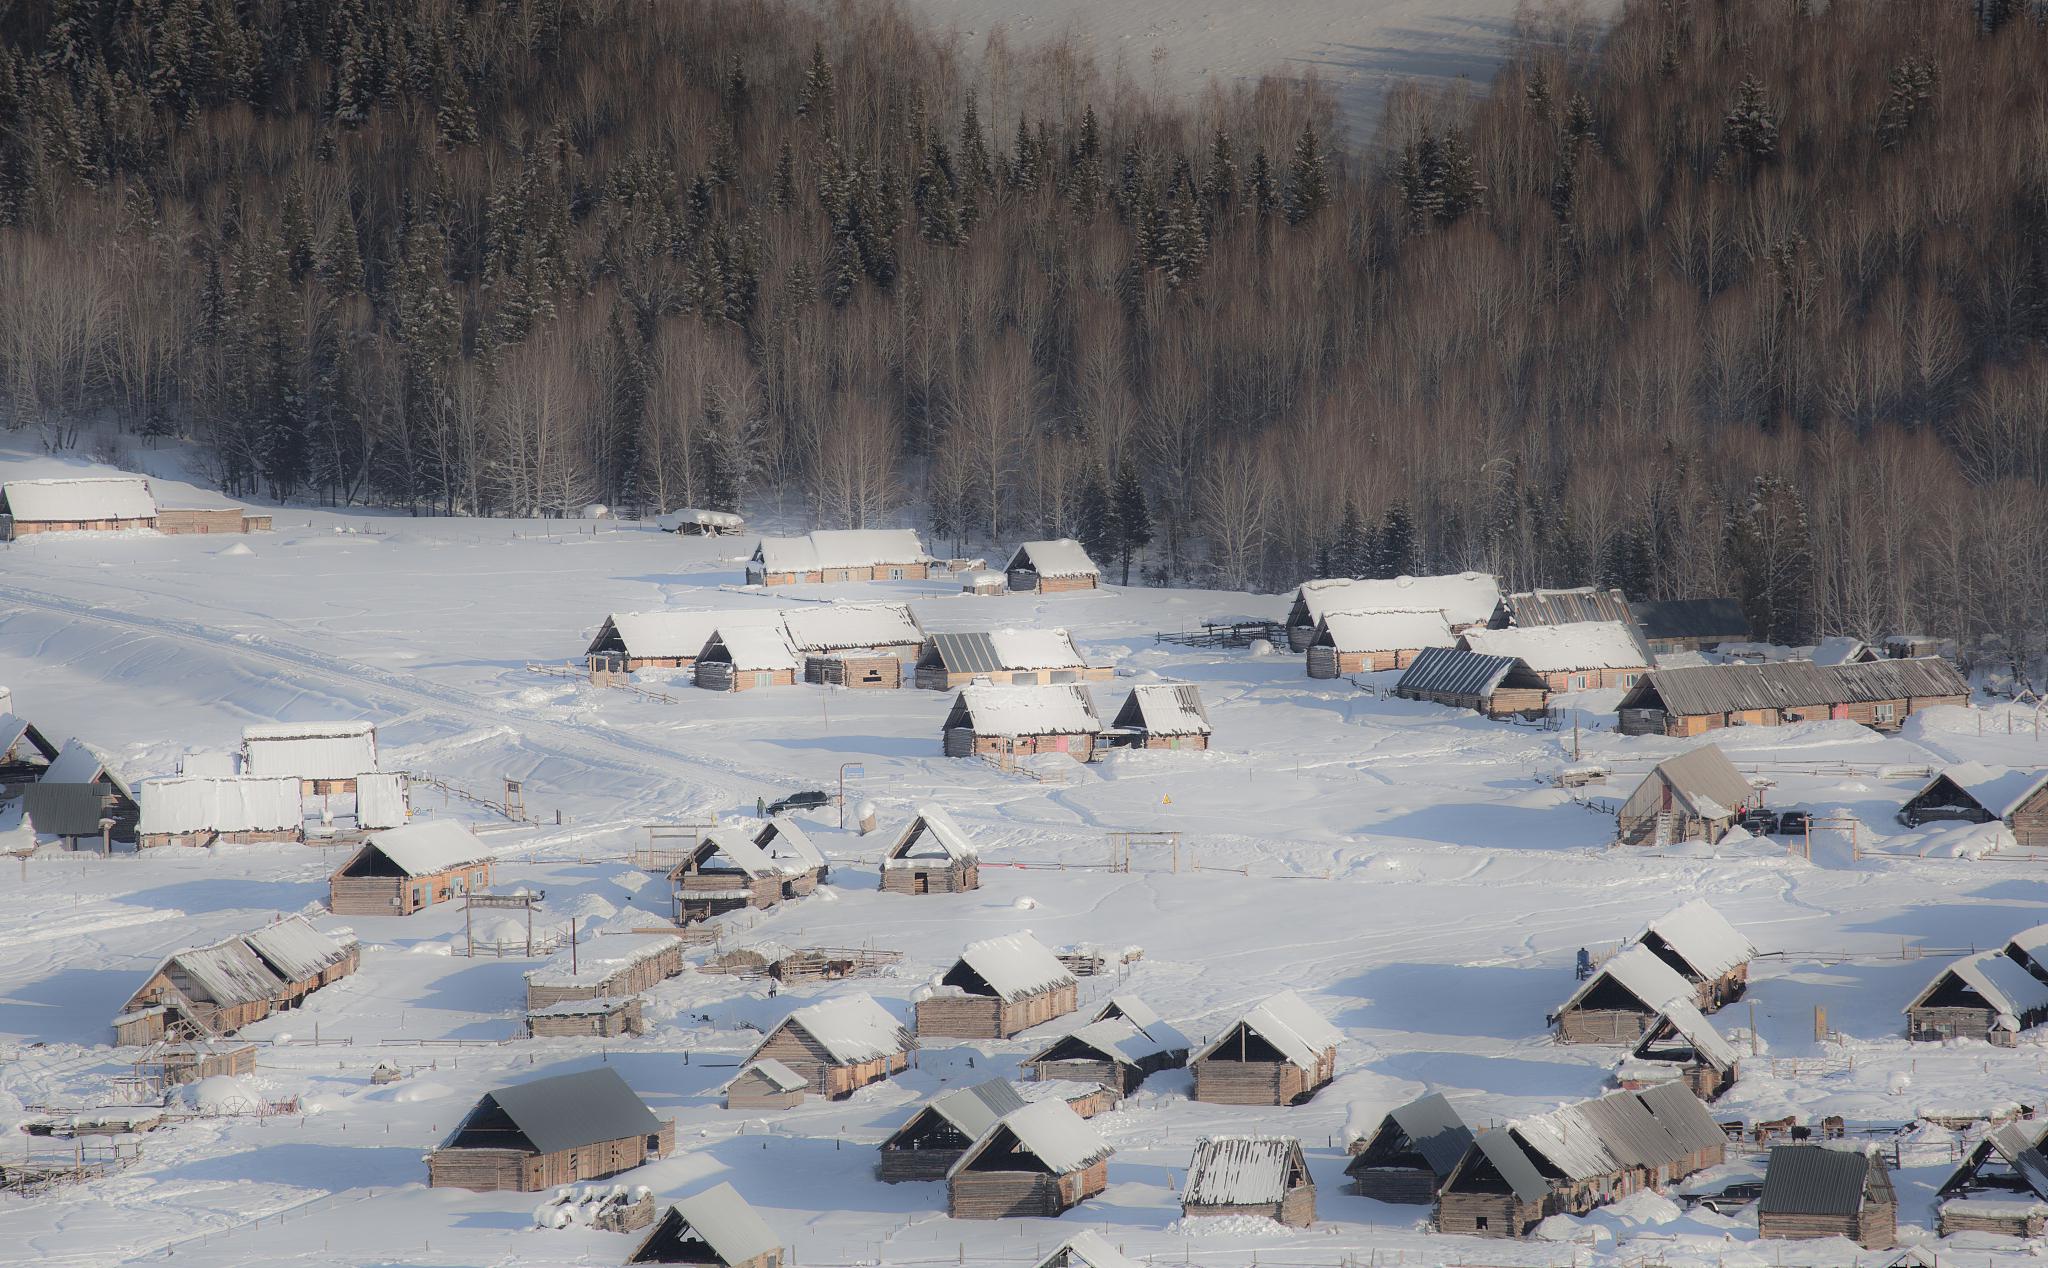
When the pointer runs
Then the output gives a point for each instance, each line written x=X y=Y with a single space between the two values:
x=765 y=1084
x=630 y=641
x=746 y=658
x=1579 y=656
x=1087 y=1250
x=940 y=1131
x=1281 y=1052
x=608 y=966
x=1813 y=1191
x=1694 y=700
x=1041 y=1160
x=839 y=1045
x=1118 y=1048
x=1264 y=1177
x=1017 y=658
x=1004 y=723
x=211 y=991
x=893 y=554
x=536 y=1135
x=404 y=870
x=931 y=856
x=1409 y=1155
x=724 y=871
x=95 y=504
x=599 y=1017
x=25 y=753
x=1162 y=715
x=1986 y=996
x=790 y=848
x=82 y=797
x=1465 y=599
x=998 y=987
x=855 y=645
x=1052 y=567
x=1973 y=793
x=1704 y=949
x=326 y=757
x=237 y=809
x=712 y=1229
x=1493 y=686
x=1696 y=796
x=1346 y=643
x=1619 y=1000
x=1681 y=1045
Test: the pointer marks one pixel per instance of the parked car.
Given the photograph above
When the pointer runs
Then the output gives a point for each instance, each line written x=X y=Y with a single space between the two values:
x=810 y=799
x=1731 y=1198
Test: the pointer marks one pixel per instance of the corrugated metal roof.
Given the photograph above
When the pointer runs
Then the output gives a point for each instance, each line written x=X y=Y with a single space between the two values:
x=1014 y=966
x=65 y=810
x=1164 y=708
x=1706 y=781
x=722 y=1218
x=1003 y=651
x=1697 y=690
x=86 y=498
x=1435 y=1130
x=1243 y=1170
x=1814 y=1180
x=295 y=950
x=1563 y=607
x=1447 y=671
x=930 y=835
x=569 y=1111
x=1686 y=1117
x=1500 y=1148
x=1061 y=557
x=1712 y=619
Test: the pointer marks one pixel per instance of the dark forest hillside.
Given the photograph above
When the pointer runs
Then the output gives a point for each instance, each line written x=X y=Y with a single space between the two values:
x=1746 y=296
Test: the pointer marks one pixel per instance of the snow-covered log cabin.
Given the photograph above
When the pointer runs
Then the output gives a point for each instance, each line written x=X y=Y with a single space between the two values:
x=546 y=1132
x=610 y=965
x=790 y=848
x=1465 y=599
x=1265 y=1177
x=1118 y=1048
x=765 y=1084
x=1165 y=715
x=326 y=757
x=723 y=872
x=206 y=992
x=867 y=629
x=938 y=1132
x=998 y=988
x=839 y=1045
x=1681 y=1045
x=1494 y=686
x=1695 y=699
x=1018 y=658
x=931 y=856
x=239 y=809
x=629 y=641
x=1346 y=643
x=1973 y=793
x=712 y=1229
x=889 y=554
x=1281 y=1052
x=1986 y=996
x=102 y=504
x=743 y=657
x=1041 y=1160
x=1703 y=948
x=404 y=870
x=25 y=753
x=1696 y=796
x=1618 y=1001
x=1051 y=567
x=1813 y=1191
x=600 y=1017
x=1009 y=722
x=1411 y=1153
x=1579 y=656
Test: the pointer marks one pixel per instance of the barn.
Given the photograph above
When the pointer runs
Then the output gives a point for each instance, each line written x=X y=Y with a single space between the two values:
x=1087 y=1250
x=1812 y=1191
x=1986 y=996
x=1703 y=948
x=1050 y=567
x=927 y=1145
x=998 y=988
x=1465 y=599
x=90 y=504
x=1411 y=1153
x=1973 y=793
x=81 y=796
x=1495 y=686
x=206 y=992
x=1681 y=1045
x=839 y=1045
x=712 y=1229
x=629 y=641
x=546 y=1132
x=25 y=753
x=1166 y=715
x=1695 y=699
x=1280 y=1053
x=238 y=809
x=765 y=1084
x=931 y=856
x=1118 y=1048
x=1577 y=656
x=890 y=554
x=1617 y=1002
x=725 y=871
x=790 y=848
x=1019 y=658
x=403 y=870
x=1689 y=625
x=1564 y=607
x=326 y=757
x=608 y=966
x=1345 y=643
x=744 y=657
x=1696 y=796
x=1261 y=1176
x=1041 y=1160
x=1008 y=722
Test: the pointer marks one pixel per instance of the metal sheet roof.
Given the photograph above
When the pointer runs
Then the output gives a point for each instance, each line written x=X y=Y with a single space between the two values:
x=569 y=1111
x=65 y=810
x=1242 y=1170
x=1705 y=781
x=725 y=1223
x=295 y=950
x=1713 y=689
x=1712 y=619
x=1562 y=607
x=1814 y=1180
x=1435 y=1130
x=1686 y=1117
x=1164 y=708
x=228 y=972
x=1447 y=671
x=1003 y=651
x=1500 y=1148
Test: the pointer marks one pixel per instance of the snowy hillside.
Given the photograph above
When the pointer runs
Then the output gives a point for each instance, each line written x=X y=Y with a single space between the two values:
x=1409 y=869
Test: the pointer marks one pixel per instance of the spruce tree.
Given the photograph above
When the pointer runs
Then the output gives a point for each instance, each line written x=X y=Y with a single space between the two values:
x=1133 y=517
x=1219 y=178
x=784 y=195
x=815 y=96
x=1350 y=554
x=1259 y=191
x=1751 y=127
x=1097 y=530
x=1308 y=177
x=1394 y=550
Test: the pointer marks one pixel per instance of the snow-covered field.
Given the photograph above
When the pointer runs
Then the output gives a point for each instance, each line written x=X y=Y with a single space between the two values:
x=1410 y=869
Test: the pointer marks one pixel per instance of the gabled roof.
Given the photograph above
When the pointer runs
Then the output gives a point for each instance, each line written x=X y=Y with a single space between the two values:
x=931 y=834
x=599 y=958
x=13 y=730
x=753 y=647
x=1450 y=671
x=1121 y=1041
x=1289 y=1024
x=722 y=1220
x=1356 y=632
x=1691 y=1025
x=971 y=1110
x=1705 y=781
x=1463 y=598
x=1710 y=619
x=1014 y=966
x=1055 y=709
x=569 y=1111
x=784 y=839
x=1997 y=979
x=738 y=850
x=1061 y=557
x=851 y=1029
x=428 y=847
x=1164 y=708
x=1499 y=1147
x=80 y=763
x=779 y=1076
x=1842 y=649
x=1997 y=790
x=2018 y=1143
x=1703 y=938
x=80 y=498
x=840 y=627
x=1243 y=1170
x=840 y=548
x=1814 y=1180
x=999 y=651
x=676 y=635
x=294 y=950
x=1697 y=690
x=1087 y=1250
x=1435 y=1130
x=1049 y=1131
x=227 y=973
x=1559 y=648
x=1563 y=607
x=242 y=803
x=1684 y=1115
x=310 y=750
x=1640 y=972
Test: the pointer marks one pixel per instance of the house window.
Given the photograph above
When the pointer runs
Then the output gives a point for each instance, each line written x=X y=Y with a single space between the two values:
x=1886 y=712
x=1578 y=682
x=1629 y=680
x=418 y=895
x=1479 y=1224
x=895 y=574
x=654 y=1144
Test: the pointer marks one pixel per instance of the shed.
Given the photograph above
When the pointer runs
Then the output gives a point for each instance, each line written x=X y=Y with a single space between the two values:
x=997 y=988
x=1681 y=1044
x=725 y=871
x=879 y=629
x=25 y=753
x=786 y=844
x=1019 y=658
x=927 y=1145
x=1124 y=1042
x=931 y=856
x=690 y=521
x=890 y=554
x=1618 y=1000
x=79 y=504
x=1973 y=793
x=1696 y=796
x=1843 y=649
x=383 y=800
x=839 y=1045
x=1410 y=1154
x=203 y=991
x=1003 y=723
x=608 y=966
x=1564 y=607
x=1465 y=599
x=546 y=1132
x=1690 y=625
x=1574 y=656
x=1164 y=715
x=325 y=756
x=1699 y=943
x=1279 y=1053
x=1985 y=996
x=765 y=1084
x=630 y=641
x=2006 y=1161
x=715 y=1228
x=80 y=794
x=1260 y=1176
x=984 y=582
x=1052 y=566
x=744 y=657
x=1700 y=698
x=1812 y=1191
x=1087 y=1250
x=1039 y=1160
x=598 y=1017
x=1495 y=686
x=238 y=809
x=402 y=870
x=1366 y=642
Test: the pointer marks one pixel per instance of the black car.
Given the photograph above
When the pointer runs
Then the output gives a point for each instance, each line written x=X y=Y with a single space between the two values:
x=1731 y=1199
x=1793 y=821
x=809 y=800
x=1759 y=822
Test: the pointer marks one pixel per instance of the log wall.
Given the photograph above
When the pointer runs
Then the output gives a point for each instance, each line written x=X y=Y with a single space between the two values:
x=1406 y=1186
x=953 y=878
x=996 y=1195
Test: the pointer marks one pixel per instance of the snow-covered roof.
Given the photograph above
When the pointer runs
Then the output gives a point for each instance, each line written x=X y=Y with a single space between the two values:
x=1087 y=1249
x=1125 y=1029
x=1015 y=966
x=1641 y=973
x=1999 y=790
x=602 y=957
x=1164 y=708
x=435 y=845
x=1289 y=1024
x=1841 y=649
x=779 y=1076
x=295 y=950
x=931 y=834
x=1692 y=1026
x=677 y=635
x=974 y=1109
x=1390 y=631
x=227 y=973
x=1056 y=709
x=1048 y=1130
x=84 y=498
x=1062 y=557
x=840 y=548
x=996 y=651
x=1242 y=1170
x=725 y=1223
x=382 y=800
x=1703 y=938
x=851 y=1028
x=310 y=750
x=672 y=520
x=785 y=841
x=755 y=647
x=81 y=763
x=242 y=803
x=13 y=730
x=1558 y=648
x=1704 y=780
x=839 y=627
x=1463 y=598
x=1997 y=979
x=739 y=850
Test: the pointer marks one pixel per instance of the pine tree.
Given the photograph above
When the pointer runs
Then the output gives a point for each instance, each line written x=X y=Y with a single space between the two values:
x=455 y=120
x=1097 y=530
x=1219 y=178
x=784 y=195
x=815 y=96
x=738 y=93
x=1308 y=177
x=1350 y=553
x=1751 y=127
x=1394 y=549
x=1770 y=552
x=1259 y=191
x=1133 y=517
